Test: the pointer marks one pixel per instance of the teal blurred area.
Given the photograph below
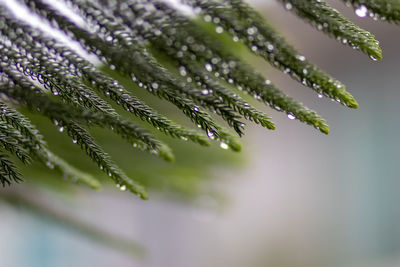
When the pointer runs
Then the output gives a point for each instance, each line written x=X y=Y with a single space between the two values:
x=300 y=199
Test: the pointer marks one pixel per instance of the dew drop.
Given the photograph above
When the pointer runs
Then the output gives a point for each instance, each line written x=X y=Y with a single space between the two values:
x=219 y=29
x=208 y=67
x=251 y=30
x=361 y=11
x=224 y=145
x=122 y=188
x=55 y=93
x=61 y=129
x=207 y=18
x=154 y=85
x=182 y=71
x=301 y=57
x=291 y=116
x=50 y=165
x=373 y=58
x=210 y=134
x=320 y=95
x=288 y=6
x=205 y=92
x=74 y=141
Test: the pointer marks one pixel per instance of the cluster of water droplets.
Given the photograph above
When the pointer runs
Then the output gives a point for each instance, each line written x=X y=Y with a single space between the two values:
x=384 y=11
x=121 y=187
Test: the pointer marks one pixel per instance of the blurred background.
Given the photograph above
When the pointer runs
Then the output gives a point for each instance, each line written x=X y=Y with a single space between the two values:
x=292 y=198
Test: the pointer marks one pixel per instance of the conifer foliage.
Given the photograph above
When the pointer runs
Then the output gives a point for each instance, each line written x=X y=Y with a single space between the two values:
x=46 y=76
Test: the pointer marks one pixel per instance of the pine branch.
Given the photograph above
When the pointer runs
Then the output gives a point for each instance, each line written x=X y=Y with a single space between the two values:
x=12 y=141
x=30 y=139
x=143 y=69
x=243 y=22
x=383 y=9
x=215 y=59
x=329 y=20
x=8 y=171
x=78 y=66
x=81 y=137
x=139 y=39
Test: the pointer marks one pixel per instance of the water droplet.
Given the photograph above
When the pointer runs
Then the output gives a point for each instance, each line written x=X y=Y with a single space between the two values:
x=224 y=145
x=74 y=141
x=208 y=67
x=182 y=71
x=288 y=6
x=210 y=134
x=122 y=188
x=301 y=57
x=55 y=93
x=205 y=92
x=320 y=95
x=61 y=129
x=219 y=29
x=154 y=85
x=373 y=58
x=291 y=116
x=251 y=30
x=196 y=109
x=361 y=11
x=50 y=165
x=207 y=18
